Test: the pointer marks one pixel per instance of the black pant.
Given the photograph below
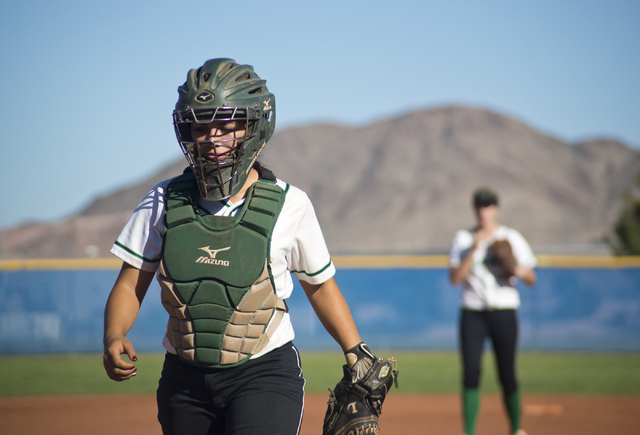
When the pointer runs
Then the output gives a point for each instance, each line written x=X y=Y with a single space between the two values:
x=502 y=327
x=262 y=396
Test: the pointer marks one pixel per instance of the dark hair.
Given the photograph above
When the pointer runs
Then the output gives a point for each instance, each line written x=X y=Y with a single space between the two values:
x=484 y=197
x=264 y=172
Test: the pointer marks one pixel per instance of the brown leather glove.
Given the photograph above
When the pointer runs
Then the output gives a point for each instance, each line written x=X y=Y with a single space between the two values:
x=502 y=256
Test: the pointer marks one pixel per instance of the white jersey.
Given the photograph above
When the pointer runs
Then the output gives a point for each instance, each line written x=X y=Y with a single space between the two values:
x=482 y=290
x=297 y=245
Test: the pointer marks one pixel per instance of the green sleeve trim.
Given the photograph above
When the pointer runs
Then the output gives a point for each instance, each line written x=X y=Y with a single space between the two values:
x=314 y=273
x=135 y=254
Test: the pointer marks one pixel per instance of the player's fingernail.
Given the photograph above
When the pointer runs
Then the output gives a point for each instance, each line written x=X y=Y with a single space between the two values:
x=134 y=358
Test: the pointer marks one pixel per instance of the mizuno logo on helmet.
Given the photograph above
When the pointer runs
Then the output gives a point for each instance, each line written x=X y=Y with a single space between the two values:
x=204 y=96
x=267 y=106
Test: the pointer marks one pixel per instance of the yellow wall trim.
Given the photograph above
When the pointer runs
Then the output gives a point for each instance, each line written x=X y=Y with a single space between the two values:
x=342 y=262
x=61 y=264
x=557 y=261
x=442 y=261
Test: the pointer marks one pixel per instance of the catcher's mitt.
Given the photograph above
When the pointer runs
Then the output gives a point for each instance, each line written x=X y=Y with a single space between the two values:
x=502 y=256
x=356 y=403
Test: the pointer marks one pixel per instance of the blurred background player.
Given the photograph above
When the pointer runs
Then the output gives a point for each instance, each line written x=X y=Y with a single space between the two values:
x=489 y=303
x=223 y=240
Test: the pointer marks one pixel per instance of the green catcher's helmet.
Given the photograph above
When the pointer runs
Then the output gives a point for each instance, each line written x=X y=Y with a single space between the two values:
x=223 y=90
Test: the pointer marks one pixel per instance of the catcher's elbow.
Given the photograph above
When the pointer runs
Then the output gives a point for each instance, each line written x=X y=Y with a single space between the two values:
x=528 y=276
x=454 y=278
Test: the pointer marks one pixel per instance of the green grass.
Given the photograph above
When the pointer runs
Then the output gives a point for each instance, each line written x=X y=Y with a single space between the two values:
x=420 y=372
x=73 y=374
x=439 y=372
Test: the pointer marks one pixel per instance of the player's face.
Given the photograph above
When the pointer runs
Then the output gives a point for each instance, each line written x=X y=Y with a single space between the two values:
x=218 y=139
x=487 y=215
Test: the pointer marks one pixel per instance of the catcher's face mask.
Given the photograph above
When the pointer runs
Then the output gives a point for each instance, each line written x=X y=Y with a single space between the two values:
x=223 y=118
x=215 y=143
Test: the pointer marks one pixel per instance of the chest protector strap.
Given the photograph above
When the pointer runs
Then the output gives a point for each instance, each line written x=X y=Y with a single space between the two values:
x=215 y=275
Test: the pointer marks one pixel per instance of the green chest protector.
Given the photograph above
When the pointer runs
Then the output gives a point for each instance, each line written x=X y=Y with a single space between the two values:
x=215 y=275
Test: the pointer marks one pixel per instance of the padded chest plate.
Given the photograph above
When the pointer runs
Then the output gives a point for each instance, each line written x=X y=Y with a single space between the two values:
x=215 y=276
x=230 y=249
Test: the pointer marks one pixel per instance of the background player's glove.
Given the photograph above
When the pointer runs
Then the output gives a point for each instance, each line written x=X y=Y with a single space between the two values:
x=503 y=257
x=356 y=403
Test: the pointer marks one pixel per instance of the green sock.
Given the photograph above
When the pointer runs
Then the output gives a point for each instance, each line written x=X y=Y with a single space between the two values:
x=512 y=402
x=470 y=406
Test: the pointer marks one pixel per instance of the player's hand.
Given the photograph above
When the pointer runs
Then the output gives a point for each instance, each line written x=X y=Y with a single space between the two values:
x=480 y=236
x=117 y=368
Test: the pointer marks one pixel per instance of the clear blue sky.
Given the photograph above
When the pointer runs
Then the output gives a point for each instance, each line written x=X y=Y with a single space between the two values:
x=88 y=87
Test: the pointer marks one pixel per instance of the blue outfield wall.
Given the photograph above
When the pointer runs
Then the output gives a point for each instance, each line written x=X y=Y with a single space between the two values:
x=60 y=309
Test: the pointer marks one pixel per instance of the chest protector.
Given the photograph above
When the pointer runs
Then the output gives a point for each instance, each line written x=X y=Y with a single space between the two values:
x=215 y=275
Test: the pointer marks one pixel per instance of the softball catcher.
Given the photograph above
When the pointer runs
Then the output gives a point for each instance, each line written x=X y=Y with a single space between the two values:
x=223 y=240
x=487 y=260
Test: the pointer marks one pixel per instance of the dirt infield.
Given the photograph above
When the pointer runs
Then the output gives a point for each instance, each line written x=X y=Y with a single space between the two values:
x=403 y=414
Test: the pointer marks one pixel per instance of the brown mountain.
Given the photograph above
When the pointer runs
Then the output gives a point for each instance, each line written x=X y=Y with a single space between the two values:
x=403 y=186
